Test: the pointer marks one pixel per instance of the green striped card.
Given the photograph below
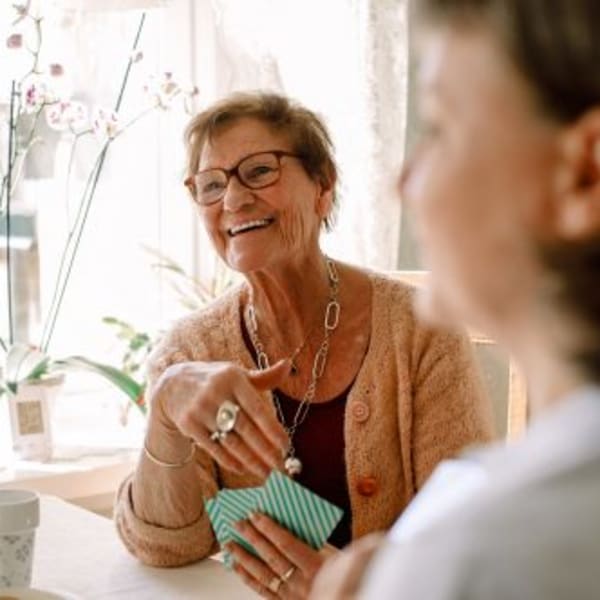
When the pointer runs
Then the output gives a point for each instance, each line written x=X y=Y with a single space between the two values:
x=228 y=507
x=308 y=516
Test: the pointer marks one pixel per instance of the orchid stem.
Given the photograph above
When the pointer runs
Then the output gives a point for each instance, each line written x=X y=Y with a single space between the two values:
x=66 y=264
x=11 y=134
x=69 y=250
x=136 y=41
x=76 y=138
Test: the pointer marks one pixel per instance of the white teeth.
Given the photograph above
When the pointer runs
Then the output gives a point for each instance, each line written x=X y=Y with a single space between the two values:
x=249 y=225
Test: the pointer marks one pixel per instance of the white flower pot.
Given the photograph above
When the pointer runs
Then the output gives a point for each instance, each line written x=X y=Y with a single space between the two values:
x=30 y=423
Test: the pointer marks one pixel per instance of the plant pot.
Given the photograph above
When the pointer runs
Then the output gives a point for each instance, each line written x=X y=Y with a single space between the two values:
x=30 y=423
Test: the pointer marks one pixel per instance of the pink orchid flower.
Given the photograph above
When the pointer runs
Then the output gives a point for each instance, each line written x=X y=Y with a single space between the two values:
x=188 y=102
x=105 y=123
x=67 y=115
x=137 y=56
x=14 y=41
x=36 y=93
x=162 y=90
x=56 y=70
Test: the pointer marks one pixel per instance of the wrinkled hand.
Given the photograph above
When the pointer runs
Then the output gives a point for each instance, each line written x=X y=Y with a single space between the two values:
x=286 y=567
x=340 y=577
x=187 y=398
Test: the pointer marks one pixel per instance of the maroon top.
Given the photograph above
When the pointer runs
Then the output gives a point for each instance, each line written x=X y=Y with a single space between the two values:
x=319 y=444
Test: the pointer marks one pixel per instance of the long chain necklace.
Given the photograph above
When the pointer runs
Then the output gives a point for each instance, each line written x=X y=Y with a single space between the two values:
x=262 y=358
x=292 y=464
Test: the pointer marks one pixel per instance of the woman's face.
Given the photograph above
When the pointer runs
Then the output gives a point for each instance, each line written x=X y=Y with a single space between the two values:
x=284 y=218
x=479 y=181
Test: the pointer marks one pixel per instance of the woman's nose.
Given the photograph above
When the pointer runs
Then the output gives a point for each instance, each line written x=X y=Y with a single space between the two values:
x=236 y=195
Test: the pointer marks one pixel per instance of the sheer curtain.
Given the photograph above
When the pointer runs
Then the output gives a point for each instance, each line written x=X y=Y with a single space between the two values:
x=345 y=59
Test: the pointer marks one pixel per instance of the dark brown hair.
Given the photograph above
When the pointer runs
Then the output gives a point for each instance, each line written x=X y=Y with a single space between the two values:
x=306 y=131
x=555 y=44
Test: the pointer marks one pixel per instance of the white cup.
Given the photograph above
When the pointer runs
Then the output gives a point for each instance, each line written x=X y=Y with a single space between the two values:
x=19 y=516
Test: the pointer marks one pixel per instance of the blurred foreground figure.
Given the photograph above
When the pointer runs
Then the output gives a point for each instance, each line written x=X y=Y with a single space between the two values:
x=506 y=193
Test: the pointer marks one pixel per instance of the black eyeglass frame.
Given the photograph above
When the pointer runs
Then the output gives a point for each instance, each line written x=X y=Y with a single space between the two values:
x=229 y=173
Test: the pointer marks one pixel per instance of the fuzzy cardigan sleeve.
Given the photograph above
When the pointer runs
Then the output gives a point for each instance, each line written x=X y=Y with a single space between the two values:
x=201 y=336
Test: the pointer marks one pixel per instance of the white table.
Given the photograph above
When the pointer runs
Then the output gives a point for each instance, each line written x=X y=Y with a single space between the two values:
x=79 y=552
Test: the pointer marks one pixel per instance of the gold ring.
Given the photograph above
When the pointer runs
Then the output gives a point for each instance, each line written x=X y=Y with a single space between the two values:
x=274 y=584
x=288 y=573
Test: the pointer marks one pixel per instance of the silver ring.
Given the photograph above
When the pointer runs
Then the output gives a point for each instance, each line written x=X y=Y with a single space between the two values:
x=227 y=416
x=274 y=584
x=288 y=573
x=218 y=436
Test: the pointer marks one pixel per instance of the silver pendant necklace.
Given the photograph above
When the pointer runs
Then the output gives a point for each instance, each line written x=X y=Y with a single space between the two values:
x=293 y=465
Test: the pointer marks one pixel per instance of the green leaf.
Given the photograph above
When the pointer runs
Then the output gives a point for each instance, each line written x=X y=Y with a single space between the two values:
x=111 y=321
x=124 y=330
x=25 y=363
x=39 y=370
x=139 y=341
x=5 y=388
x=121 y=380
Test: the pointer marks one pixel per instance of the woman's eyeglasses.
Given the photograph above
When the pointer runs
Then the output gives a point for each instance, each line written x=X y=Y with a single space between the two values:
x=255 y=171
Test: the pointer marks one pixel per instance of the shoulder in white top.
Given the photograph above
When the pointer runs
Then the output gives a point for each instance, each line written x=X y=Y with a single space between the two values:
x=518 y=521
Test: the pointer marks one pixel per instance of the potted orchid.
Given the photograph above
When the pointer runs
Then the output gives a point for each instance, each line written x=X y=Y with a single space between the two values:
x=35 y=99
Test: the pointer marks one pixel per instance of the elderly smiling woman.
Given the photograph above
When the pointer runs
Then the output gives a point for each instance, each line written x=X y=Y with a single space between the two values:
x=365 y=401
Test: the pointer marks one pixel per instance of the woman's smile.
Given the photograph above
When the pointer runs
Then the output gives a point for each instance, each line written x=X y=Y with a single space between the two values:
x=249 y=225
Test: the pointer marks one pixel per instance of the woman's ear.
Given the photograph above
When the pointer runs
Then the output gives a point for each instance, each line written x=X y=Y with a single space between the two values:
x=324 y=200
x=577 y=198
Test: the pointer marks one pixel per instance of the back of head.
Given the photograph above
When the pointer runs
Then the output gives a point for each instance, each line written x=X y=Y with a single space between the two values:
x=555 y=44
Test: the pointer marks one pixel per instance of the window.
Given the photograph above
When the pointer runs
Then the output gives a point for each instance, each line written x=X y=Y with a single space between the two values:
x=219 y=46
x=139 y=204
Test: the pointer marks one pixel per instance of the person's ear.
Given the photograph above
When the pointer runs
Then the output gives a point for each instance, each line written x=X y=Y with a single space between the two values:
x=577 y=197
x=324 y=200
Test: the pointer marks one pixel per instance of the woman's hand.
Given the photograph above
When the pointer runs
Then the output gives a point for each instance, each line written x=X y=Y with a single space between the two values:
x=188 y=396
x=340 y=577
x=286 y=567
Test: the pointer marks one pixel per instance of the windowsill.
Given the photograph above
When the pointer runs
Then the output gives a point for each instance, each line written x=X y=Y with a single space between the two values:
x=92 y=451
x=87 y=477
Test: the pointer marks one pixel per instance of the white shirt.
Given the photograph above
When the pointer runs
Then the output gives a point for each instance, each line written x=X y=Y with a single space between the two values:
x=519 y=521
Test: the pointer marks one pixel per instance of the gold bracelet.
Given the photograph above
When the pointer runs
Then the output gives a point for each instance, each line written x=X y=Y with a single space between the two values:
x=162 y=463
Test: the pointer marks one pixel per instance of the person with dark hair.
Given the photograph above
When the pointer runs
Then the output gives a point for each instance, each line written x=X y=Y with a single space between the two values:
x=356 y=379
x=505 y=188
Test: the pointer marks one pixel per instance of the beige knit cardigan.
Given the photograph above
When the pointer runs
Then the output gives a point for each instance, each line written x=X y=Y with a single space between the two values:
x=416 y=400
